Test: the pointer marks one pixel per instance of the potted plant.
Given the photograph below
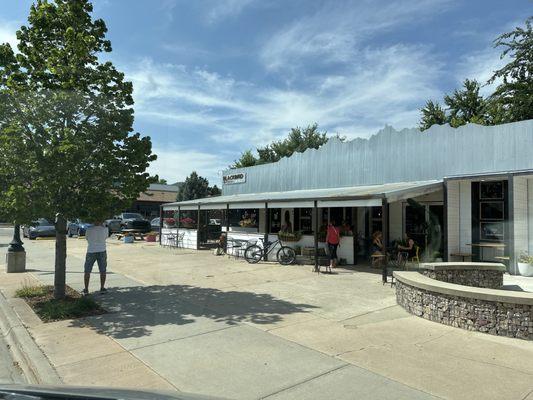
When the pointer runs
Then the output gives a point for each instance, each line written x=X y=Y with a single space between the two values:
x=247 y=223
x=289 y=236
x=151 y=236
x=169 y=222
x=525 y=264
x=187 y=223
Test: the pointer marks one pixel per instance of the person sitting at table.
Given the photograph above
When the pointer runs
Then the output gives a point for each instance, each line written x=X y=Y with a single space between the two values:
x=406 y=252
x=221 y=245
x=377 y=249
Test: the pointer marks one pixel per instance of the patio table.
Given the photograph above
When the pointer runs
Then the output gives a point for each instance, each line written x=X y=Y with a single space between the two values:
x=485 y=245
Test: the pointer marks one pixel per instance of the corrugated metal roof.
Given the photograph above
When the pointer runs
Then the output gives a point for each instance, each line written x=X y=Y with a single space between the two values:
x=392 y=191
x=164 y=188
x=396 y=156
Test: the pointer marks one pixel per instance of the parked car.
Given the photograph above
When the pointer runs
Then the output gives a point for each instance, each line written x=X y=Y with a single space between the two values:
x=155 y=224
x=114 y=225
x=128 y=221
x=40 y=228
x=77 y=227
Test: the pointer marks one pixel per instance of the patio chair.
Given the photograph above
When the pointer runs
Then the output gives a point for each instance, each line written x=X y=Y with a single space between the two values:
x=179 y=241
x=416 y=257
x=170 y=240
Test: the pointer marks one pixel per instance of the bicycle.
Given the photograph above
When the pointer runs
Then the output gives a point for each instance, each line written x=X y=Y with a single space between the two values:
x=255 y=253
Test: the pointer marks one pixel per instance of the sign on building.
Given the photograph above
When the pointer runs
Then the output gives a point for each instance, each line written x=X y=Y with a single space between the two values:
x=239 y=177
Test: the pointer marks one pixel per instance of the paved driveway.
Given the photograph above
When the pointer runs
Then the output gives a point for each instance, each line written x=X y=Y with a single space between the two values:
x=213 y=325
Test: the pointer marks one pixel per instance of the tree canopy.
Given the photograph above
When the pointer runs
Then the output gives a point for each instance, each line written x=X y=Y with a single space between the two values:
x=511 y=101
x=298 y=140
x=67 y=146
x=513 y=98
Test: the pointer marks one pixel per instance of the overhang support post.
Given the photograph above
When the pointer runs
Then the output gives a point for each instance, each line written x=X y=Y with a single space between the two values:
x=198 y=227
x=385 y=232
x=267 y=230
x=315 y=212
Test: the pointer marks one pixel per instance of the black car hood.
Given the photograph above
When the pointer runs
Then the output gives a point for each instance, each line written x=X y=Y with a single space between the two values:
x=94 y=392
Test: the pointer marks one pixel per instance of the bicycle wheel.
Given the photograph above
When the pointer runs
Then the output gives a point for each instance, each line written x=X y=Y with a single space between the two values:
x=253 y=254
x=286 y=255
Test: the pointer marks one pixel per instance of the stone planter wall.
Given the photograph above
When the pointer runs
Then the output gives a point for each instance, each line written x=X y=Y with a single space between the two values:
x=467 y=277
x=493 y=317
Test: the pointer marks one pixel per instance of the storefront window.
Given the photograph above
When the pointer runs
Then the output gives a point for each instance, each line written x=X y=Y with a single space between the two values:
x=244 y=218
x=169 y=218
x=376 y=220
x=303 y=218
x=188 y=219
x=275 y=220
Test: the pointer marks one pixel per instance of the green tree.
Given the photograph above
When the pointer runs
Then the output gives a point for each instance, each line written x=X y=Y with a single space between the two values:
x=432 y=114
x=298 y=140
x=194 y=187
x=214 y=191
x=247 y=159
x=466 y=105
x=162 y=181
x=67 y=147
x=513 y=98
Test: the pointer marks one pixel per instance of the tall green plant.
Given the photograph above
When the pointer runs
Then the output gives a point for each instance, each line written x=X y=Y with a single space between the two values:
x=67 y=147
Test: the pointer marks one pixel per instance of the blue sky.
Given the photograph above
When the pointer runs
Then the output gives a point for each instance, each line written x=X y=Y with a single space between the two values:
x=215 y=77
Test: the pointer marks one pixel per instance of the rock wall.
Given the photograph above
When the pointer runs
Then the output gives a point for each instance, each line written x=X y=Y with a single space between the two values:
x=496 y=318
x=468 y=277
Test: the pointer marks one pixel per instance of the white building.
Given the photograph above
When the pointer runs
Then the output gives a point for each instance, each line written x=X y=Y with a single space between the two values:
x=472 y=189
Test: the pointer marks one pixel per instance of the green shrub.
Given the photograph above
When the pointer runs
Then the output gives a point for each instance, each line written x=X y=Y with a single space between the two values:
x=525 y=258
x=66 y=309
x=32 y=291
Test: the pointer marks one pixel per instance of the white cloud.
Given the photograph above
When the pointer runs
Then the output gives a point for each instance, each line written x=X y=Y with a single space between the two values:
x=387 y=85
x=332 y=35
x=175 y=163
x=223 y=9
x=8 y=33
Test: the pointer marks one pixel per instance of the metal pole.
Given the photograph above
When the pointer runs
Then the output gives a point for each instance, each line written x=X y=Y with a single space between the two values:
x=227 y=226
x=198 y=229
x=445 y=221
x=15 y=245
x=267 y=230
x=385 y=232
x=315 y=211
x=178 y=228
x=160 y=223
x=510 y=225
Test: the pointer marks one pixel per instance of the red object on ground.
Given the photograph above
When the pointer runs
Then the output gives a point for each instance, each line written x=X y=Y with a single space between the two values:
x=150 y=238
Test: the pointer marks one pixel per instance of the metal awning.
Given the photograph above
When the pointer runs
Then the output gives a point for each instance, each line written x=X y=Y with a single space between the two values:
x=358 y=196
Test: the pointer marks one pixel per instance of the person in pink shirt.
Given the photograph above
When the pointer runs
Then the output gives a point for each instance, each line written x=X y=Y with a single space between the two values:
x=333 y=238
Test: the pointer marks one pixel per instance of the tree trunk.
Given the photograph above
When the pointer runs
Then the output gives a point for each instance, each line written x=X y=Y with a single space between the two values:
x=61 y=257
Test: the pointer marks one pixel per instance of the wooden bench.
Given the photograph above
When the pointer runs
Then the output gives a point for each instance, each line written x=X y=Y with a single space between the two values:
x=136 y=233
x=462 y=255
x=502 y=258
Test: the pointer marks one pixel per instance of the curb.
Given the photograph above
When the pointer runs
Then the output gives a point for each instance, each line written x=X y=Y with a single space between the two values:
x=32 y=361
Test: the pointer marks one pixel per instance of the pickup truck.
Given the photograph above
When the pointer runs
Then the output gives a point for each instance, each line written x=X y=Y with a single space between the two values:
x=128 y=221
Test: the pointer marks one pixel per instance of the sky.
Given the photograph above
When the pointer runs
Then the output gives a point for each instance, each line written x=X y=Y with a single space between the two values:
x=213 y=78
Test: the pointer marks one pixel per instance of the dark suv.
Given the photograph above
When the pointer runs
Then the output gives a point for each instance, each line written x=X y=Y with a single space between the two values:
x=134 y=221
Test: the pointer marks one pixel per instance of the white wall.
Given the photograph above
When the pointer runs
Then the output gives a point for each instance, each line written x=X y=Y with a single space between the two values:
x=396 y=220
x=465 y=216
x=530 y=214
x=189 y=237
x=520 y=217
x=453 y=216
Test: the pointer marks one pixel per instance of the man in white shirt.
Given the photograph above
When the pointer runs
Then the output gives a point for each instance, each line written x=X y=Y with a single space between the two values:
x=96 y=236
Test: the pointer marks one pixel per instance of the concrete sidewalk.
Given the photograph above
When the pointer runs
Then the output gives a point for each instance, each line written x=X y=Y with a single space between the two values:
x=190 y=321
